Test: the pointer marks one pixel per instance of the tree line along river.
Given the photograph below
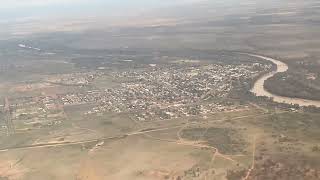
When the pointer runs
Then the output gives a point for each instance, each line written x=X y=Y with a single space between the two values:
x=259 y=90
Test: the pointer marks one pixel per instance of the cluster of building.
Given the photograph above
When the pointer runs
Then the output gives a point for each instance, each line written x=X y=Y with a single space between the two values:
x=169 y=90
x=81 y=98
x=74 y=79
x=42 y=110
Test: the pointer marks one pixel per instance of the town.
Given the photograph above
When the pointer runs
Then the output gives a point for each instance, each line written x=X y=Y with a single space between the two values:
x=152 y=92
x=168 y=90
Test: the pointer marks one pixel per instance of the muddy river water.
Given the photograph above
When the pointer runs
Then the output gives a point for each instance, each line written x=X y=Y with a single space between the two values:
x=259 y=90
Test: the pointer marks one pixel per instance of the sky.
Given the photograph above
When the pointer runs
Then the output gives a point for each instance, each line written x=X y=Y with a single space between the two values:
x=13 y=4
x=33 y=16
x=7 y=4
x=15 y=9
x=27 y=15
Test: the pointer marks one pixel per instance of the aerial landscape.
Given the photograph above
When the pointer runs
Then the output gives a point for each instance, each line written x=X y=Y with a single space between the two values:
x=160 y=90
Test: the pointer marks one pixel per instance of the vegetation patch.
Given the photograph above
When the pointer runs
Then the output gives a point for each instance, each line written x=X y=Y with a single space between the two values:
x=225 y=139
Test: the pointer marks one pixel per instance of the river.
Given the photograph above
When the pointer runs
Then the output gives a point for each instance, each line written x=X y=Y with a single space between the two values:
x=259 y=90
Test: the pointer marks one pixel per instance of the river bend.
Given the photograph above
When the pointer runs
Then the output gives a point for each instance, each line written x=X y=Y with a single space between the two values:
x=259 y=90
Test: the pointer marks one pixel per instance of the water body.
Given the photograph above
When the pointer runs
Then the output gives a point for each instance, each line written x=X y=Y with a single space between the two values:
x=259 y=90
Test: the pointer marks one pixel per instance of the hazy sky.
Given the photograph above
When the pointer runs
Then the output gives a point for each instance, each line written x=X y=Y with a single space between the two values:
x=24 y=16
x=27 y=15
x=13 y=9
x=7 y=4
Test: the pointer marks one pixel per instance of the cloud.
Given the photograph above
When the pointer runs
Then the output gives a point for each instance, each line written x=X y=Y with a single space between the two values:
x=11 y=4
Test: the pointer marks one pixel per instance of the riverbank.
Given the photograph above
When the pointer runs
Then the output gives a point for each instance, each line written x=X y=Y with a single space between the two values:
x=259 y=90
